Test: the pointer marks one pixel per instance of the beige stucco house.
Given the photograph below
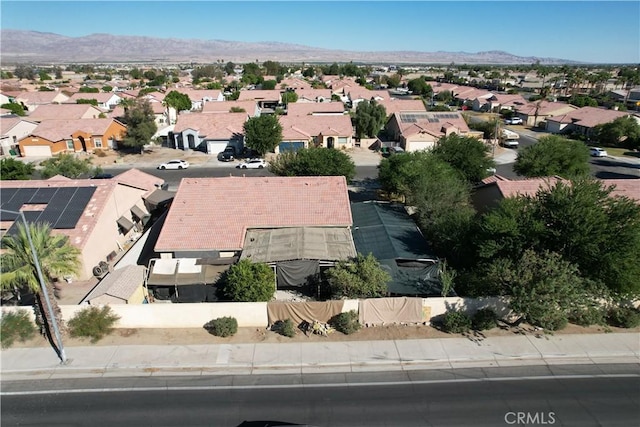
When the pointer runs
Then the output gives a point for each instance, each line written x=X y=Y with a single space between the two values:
x=98 y=215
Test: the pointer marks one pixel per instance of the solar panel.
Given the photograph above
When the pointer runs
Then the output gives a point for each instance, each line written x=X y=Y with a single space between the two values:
x=43 y=195
x=75 y=207
x=7 y=201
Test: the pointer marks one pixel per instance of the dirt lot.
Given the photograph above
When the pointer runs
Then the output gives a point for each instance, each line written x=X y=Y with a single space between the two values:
x=193 y=336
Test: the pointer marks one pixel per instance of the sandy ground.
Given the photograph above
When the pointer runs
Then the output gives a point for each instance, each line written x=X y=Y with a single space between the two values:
x=193 y=336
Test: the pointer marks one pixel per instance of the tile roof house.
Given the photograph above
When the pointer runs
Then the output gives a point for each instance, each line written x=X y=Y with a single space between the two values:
x=12 y=129
x=313 y=95
x=420 y=130
x=266 y=99
x=496 y=188
x=469 y=94
x=106 y=100
x=394 y=105
x=209 y=217
x=582 y=120
x=82 y=135
x=534 y=113
x=250 y=107
x=357 y=94
x=294 y=83
x=98 y=215
x=32 y=99
x=315 y=108
x=65 y=112
x=209 y=132
x=199 y=97
x=498 y=102
x=330 y=131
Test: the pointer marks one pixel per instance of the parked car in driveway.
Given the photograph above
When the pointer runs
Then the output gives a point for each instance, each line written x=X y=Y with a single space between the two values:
x=228 y=155
x=253 y=164
x=513 y=121
x=174 y=164
x=597 y=152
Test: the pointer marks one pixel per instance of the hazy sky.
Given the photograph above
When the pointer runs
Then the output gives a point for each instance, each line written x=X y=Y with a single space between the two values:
x=589 y=31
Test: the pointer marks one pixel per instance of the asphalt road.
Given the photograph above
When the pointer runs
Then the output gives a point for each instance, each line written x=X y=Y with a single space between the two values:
x=602 y=395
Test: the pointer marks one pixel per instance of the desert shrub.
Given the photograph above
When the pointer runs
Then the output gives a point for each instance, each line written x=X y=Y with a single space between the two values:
x=347 y=323
x=222 y=326
x=587 y=316
x=456 y=322
x=15 y=326
x=93 y=322
x=100 y=153
x=284 y=327
x=623 y=317
x=484 y=319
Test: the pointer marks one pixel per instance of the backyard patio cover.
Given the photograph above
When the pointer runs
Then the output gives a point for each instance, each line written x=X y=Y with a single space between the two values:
x=287 y=244
x=388 y=232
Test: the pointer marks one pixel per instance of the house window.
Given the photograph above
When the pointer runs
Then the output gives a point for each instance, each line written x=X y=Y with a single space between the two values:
x=97 y=142
x=342 y=140
x=70 y=144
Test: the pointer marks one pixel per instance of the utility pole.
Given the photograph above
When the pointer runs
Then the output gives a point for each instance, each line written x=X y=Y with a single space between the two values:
x=43 y=288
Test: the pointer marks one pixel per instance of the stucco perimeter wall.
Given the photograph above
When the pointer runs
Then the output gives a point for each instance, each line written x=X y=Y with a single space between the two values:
x=440 y=306
x=249 y=314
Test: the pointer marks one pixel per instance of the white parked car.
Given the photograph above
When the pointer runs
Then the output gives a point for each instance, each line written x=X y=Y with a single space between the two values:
x=597 y=152
x=513 y=121
x=174 y=164
x=253 y=164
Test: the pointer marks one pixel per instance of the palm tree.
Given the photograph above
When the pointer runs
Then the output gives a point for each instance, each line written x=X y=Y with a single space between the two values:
x=56 y=257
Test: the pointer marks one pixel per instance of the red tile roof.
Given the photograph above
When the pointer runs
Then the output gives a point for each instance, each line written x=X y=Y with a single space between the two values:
x=64 y=112
x=57 y=130
x=215 y=213
x=527 y=187
x=293 y=126
x=624 y=187
x=213 y=126
x=588 y=116
x=309 y=108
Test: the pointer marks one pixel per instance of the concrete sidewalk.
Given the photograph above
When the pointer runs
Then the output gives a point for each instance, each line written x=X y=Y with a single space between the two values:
x=320 y=357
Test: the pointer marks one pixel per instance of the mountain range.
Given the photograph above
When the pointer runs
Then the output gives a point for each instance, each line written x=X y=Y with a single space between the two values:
x=20 y=46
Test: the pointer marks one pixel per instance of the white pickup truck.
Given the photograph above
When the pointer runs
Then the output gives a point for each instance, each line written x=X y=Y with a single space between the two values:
x=509 y=138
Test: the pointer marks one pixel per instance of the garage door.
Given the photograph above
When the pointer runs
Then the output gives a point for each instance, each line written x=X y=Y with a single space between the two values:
x=36 y=151
x=419 y=145
x=290 y=146
x=215 y=147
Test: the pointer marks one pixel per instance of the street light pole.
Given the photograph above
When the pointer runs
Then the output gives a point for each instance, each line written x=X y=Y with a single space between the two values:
x=43 y=288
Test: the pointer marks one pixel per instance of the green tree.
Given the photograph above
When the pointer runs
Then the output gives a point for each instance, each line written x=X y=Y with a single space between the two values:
x=44 y=76
x=86 y=89
x=107 y=88
x=178 y=101
x=249 y=282
x=581 y=221
x=369 y=119
x=66 y=165
x=420 y=87
x=445 y=96
x=314 y=162
x=623 y=131
x=12 y=169
x=467 y=155
x=543 y=287
x=229 y=68
x=15 y=108
x=271 y=67
x=263 y=133
x=269 y=84
x=553 y=155
x=359 y=277
x=289 y=96
x=309 y=72
x=141 y=124
x=93 y=102
x=56 y=256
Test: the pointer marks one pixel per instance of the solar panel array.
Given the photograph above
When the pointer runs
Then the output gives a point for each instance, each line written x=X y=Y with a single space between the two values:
x=64 y=205
x=429 y=116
